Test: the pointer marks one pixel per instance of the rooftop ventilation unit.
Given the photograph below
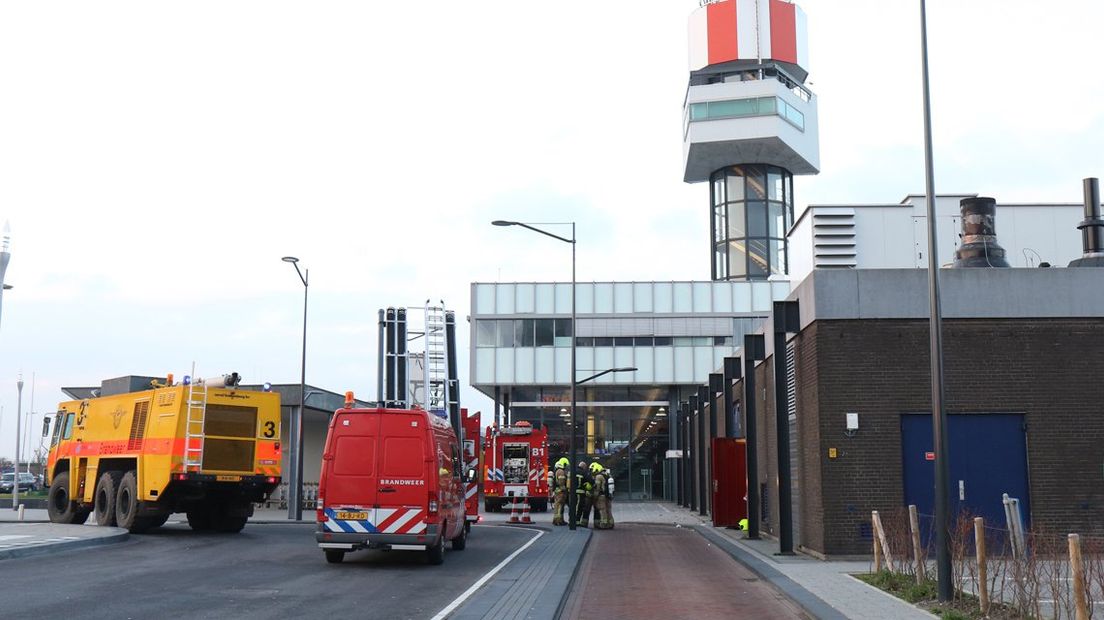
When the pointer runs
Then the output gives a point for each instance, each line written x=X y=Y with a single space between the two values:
x=1092 y=228
x=979 y=235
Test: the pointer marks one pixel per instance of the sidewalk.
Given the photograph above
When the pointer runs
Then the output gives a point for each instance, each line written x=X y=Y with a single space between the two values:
x=807 y=580
x=22 y=539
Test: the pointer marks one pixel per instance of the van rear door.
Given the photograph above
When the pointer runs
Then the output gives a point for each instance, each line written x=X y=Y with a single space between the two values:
x=404 y=475
x=351 y=486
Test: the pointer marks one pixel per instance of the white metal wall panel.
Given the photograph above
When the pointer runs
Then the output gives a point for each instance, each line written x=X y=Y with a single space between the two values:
x=698 y=34
x=761 y=297
x=484 y=371
x=802 y=38
x=525 y=296
x=623 y=297
x=682 y=297
x=504 y=366
x=664 y=296
x=504 y=298
x=546 y=298
x=603 y=297
x=563 y=364
x=722 y=297
x=741 y=298
x=703 y=297
x=563 y=298
x=485 y=298
x=523 y=364
x=764 y=28
x=585 y=302
x=603 y=359
x=644 y=361
x=544 y=368
x=684 y=364
x=745 y=28
x=703 y=363
x=664 y=364
x=642 y=297
x=623 y=358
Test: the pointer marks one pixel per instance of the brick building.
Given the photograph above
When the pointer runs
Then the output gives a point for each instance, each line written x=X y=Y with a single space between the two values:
x=1022 y=354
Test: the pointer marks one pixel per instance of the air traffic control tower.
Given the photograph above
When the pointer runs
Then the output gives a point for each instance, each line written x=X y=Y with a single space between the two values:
x=749 y=125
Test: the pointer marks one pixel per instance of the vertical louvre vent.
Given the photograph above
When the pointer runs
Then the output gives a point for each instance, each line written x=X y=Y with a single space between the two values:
x=138 y=425
x=791 y=382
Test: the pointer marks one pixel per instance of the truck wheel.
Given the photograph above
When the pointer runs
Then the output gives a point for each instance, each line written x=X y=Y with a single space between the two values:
x=487 y=506
x=226 y=518
x=435 y=555
x=155 y=521
x=104 y=501
x=199 y=518
x=126 y=503
x=60 y=507
x=540 y=505
x=467 y=526
x=81 y=515
x=461 y=541
x=334 y=556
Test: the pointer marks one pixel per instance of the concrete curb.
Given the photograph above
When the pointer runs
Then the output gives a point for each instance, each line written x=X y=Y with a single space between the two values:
x=890 y=595
x=548 y=600
x=571 y=581
x=808 y=601
x=68 y=545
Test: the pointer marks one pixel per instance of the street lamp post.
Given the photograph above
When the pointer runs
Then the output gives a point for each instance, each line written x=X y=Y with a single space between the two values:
x=18 y=415
x=5 y=257
x=939 y=417
x=571 y=498
x=295 y=433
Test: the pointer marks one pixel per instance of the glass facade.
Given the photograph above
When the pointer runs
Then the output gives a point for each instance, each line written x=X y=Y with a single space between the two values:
x=752 y=210
x=624 y=428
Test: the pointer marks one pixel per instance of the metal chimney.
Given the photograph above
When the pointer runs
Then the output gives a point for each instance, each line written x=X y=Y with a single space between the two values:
x=1092 y=228
x=979 y=235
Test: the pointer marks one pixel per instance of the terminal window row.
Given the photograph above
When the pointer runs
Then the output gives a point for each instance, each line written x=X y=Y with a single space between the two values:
x=754 y=106
x=505 y=333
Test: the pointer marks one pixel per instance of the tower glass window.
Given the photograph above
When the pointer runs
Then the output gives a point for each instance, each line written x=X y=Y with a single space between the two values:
x=752 y=210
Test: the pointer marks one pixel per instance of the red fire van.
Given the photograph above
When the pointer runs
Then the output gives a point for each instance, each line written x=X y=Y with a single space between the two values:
x=391 y=479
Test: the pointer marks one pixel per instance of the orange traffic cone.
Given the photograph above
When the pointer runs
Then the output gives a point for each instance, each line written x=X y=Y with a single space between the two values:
x=525 y=518
x=514 y=510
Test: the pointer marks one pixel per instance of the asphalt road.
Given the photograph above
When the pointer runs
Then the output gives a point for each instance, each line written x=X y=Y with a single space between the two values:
x=267 y=571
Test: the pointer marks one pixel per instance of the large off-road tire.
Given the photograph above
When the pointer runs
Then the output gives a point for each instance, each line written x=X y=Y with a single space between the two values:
x=104 y=498
x=150 y=522
x=126 y=503
x=226 y=517
x=540 y=505
x=435 y=555
x=461 y=541
x=199 y=518
x=61 y=507
x=334 y=556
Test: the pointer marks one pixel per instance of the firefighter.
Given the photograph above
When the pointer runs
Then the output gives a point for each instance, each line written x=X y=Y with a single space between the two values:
x=559 y=490
x=600 y=496
x=584 y=484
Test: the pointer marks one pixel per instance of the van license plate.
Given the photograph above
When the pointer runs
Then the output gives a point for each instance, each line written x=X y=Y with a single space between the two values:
x=352 y=516
x=228 y=478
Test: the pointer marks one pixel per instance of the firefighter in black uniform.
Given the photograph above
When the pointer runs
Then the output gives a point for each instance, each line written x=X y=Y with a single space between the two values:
x=584 y=485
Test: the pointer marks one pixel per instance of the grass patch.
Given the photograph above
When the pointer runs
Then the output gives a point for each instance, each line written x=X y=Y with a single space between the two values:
x=25 y=494
x=926 y=595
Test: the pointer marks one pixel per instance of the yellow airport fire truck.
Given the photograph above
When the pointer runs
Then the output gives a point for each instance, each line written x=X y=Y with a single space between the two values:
x=142 y=450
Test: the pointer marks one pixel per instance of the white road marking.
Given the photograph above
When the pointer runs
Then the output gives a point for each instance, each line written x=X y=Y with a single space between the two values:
x=14 y=536
x=441 y=615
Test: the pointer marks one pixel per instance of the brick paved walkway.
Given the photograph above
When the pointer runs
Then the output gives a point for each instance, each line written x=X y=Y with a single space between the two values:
x=640 y=571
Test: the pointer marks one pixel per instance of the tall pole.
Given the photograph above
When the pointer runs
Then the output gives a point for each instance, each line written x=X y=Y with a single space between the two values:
x=574 y=422
x=18 y=415
x=5 y=257
x=295 y=433
x=939 y=417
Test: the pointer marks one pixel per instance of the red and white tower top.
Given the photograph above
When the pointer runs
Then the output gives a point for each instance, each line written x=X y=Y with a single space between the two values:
x=752 y=30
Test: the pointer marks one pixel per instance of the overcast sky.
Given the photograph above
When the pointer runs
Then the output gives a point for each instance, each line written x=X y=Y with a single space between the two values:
x=157 y=159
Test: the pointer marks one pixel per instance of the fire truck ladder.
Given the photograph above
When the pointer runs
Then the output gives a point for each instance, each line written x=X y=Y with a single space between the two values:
x=193 y=429
x=436 y=359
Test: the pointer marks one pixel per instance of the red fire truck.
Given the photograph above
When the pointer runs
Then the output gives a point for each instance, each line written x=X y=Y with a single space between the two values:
x=515 y=462
x=471 y=463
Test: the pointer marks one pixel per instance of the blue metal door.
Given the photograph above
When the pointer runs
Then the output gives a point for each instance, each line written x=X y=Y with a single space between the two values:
x=988 y=458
